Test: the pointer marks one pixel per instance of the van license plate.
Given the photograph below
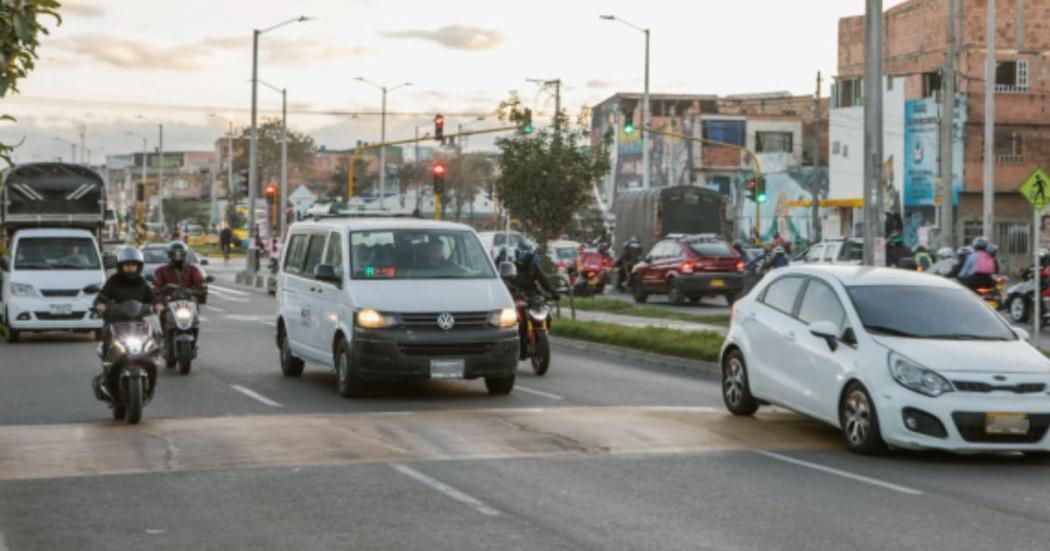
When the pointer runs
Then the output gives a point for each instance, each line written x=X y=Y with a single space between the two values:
x=447 y=369
x=718 y=283
x=61 y=309
x=1006 y=423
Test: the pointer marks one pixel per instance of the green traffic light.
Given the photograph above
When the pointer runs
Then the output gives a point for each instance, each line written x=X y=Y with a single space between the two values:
x=628 y=128
x=527 y=129
x=761 y=197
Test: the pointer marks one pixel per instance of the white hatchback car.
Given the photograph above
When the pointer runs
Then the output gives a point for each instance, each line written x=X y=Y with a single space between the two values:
x=889 y=356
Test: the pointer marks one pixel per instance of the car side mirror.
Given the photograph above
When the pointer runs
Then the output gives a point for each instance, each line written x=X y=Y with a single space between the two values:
x=849 y=338
x=1022 y=334
x=827 y=331
x=209 y=279
x=109 y=261
x=92 y=289
x=507 y=270
x=327 y=273
x=204 y=262
x=648 y=259
x=5 y=264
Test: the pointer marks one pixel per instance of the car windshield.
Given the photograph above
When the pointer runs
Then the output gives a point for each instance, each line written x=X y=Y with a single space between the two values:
x=926 y=312
x=159 y=255
x=851 y=250
x=711 y=248
x=56 y=253
x=418 y=254
x=501 y=239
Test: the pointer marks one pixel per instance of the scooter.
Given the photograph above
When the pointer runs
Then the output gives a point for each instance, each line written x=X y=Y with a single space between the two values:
x=181 y=327
x=534 y=312
x=590 y=274
x=132 y=352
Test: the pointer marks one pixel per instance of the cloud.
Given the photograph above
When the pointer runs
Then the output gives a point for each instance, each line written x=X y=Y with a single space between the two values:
x=311 y=50
x=601 y=84
x=80 y=8
x=454 y=37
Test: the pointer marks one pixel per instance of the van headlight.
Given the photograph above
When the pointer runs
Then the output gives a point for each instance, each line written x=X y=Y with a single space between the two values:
x=507 y=317
x=22 y=290
x=915 y=377
x=368 y=318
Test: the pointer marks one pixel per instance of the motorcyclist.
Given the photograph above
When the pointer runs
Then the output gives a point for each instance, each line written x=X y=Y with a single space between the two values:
x=980 y=267
x=632 y=252
x=960 y=260
x=777 y=259
x=529 y=280
x=923 y=259
x=896 y=250
x=945 y=261
x=126 y=284
x=226 y=242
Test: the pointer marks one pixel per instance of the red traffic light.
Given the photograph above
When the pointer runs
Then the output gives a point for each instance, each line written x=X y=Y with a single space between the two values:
x=271 y=190
x=439 y=169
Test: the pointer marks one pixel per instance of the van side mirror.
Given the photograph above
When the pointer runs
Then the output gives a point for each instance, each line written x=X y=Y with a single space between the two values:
x=327 y=273
x=204 y=262
x=827 y=331
x=507 y=270
x=109 y=261
x=92 y=289
x=209 y=279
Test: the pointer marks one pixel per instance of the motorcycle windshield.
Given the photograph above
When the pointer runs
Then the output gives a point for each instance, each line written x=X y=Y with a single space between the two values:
x=125 y=330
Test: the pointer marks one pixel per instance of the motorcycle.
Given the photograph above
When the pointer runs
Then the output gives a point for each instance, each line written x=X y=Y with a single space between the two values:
x=590 y=276
x=131 y=351
x=993 y=295
x=181 y=326
x=534 y=312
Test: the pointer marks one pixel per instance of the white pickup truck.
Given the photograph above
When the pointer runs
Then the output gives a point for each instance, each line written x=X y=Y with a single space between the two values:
x=51 y=267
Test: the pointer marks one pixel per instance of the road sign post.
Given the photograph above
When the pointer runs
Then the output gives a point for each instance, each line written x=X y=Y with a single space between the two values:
x=1036 y=189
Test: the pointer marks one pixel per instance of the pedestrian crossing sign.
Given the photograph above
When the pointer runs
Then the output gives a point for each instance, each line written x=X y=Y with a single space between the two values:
x=1037 y=189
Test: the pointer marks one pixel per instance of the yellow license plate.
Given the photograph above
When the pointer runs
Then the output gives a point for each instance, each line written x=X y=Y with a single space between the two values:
x=991 y=304
x=718 y=283
x=593 y=281
x=1006 y=423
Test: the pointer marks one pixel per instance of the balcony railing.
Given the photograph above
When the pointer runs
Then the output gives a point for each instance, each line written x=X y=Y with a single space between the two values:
x=1009 y=159
x=1011 y=89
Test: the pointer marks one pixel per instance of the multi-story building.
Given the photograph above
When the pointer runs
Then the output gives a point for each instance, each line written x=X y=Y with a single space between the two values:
x=914 y=53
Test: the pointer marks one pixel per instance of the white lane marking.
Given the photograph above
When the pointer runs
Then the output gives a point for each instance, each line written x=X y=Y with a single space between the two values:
x=844 y=474
x=203 y=319
x=231 y=299
x=227 y=290
x=215 y=308
x=255 y=396
x=449 y=491
x=538 y=392
x=270 y=323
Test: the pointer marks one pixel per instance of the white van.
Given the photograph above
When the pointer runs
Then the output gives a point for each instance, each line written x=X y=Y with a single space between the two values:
x=394 y=299
x=50 y=282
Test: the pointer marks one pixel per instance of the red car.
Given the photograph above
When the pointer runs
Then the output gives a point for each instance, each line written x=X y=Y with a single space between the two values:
x=689 y=267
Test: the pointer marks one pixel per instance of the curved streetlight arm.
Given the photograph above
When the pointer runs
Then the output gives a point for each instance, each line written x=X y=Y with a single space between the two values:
x=299 y=19
x=271 y=86
x=625 y=22
x=366 y=81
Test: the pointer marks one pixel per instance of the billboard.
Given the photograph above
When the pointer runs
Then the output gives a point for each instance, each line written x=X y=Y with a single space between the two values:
x=922 y=151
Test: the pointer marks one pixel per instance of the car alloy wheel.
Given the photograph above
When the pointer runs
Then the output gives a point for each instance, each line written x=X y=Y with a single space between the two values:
x=733 y=386
x=858 y=417
x=1018 y=309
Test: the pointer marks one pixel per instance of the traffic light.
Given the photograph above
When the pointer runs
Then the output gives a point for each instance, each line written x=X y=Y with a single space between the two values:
x=760 y=194
x=752 y=189
x=439 y=127
x=526 y=122
x=439 y=170
x=628 y=122
x=271 y=192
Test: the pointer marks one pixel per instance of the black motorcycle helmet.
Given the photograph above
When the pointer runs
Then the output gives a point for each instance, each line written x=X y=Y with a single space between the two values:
x=130 y=255
x=177 y=253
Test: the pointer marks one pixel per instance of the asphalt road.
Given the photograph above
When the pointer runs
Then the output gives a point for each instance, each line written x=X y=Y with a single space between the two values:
x=596 y=455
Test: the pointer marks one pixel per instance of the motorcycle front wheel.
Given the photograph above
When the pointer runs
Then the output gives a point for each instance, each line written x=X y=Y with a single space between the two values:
x=184 y=354
x=133 y=400
x=541 y=354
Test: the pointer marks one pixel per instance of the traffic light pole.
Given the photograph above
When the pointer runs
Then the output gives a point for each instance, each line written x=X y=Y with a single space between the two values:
x=750 y=153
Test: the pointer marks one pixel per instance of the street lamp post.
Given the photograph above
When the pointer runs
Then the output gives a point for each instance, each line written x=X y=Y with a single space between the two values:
x=229 y=172
x=252 y=151
x=160 y=161
x=284 y=157
x=645 y=99
x=72 y=146
x=382 y=136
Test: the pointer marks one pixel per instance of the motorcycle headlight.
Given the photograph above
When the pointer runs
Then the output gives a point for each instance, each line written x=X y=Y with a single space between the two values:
x=917 y=378
x=507 y=317
x=368 y=318
x=539 y=314
x=133 y=345
x=22 y=290
x=183 y=315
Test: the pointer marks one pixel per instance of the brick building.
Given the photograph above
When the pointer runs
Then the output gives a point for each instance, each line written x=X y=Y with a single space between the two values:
x=915 y=45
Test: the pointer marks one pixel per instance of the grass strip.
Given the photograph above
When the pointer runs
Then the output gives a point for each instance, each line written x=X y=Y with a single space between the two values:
x=613 y=306
x=694 y=345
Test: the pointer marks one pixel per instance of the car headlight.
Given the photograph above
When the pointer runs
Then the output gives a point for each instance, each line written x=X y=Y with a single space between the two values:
x=507 y=317
x=915 y=377
x=183 y=315
x=22 y=290
x=368 y=318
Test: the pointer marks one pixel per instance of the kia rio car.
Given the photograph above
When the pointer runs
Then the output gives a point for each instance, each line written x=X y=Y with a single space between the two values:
x=891 y=357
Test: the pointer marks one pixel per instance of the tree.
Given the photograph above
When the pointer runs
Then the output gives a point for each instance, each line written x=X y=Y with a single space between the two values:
x=20 y=30
x=301 y=150
x=467 y=175
x=548 y=177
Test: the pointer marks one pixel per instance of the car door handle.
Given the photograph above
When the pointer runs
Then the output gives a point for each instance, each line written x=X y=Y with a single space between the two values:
x=790 y=336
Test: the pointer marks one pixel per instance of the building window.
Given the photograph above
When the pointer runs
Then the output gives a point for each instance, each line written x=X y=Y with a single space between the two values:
x=931 y=84
x=725 y=131
x=1013 y=237
x=1011 y=77
x=849 y=92
x=774 y=142
x=1009 y=147
x=972 y=229
x=836 y=147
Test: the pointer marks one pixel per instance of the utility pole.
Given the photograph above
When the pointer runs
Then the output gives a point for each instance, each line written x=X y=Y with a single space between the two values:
x=989 y=124
x=281 y=211
x=160 y=172
x=872 y=128
x=815 y=213
x=645 y=118
x=947 y=191
x=253 y=175
x=557 y=104
x=83 y=144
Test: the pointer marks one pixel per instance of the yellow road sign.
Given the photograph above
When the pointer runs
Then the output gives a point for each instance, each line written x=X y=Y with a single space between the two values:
x=1037 y=189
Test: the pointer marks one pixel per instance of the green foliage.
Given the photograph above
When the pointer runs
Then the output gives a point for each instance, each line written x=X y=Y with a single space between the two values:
x=233 y=218
x=695 y=345
x=548 y=177
x=301 y=150
x=613 y=306
x=177 y=210
x=20 y=31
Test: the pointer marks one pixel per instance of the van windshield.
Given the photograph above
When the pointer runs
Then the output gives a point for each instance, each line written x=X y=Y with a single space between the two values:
x=417 y=254
x=56 y=253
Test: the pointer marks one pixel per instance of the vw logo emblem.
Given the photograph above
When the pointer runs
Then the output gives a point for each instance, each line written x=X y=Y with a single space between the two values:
x=1000 y=378
x=446 y=321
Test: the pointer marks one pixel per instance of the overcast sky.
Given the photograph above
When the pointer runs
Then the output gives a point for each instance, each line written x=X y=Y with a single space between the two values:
x=178 y=61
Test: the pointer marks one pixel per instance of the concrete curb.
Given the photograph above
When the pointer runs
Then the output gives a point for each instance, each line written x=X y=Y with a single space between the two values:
x=649 y=359
x=260 y=281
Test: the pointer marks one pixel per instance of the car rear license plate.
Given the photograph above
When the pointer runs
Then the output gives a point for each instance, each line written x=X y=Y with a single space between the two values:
x=447 y=369
x=1006 y=423
x=992 y=304
x=61 y=309
x=718 y=283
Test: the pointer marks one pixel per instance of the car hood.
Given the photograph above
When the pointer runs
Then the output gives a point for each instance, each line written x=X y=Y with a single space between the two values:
x=433 y=295
x=970 y=356
x=60 y=279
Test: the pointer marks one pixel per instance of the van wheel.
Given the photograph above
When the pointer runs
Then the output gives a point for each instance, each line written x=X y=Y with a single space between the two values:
x=345 y=383
x=10 y=334
x=499 y=386
x=290 y=365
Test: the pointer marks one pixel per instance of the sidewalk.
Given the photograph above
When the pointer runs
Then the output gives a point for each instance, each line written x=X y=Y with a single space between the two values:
x=634 y=321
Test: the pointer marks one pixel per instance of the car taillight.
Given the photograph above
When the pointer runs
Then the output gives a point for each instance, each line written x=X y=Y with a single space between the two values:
x=687 y=267
x=740 y=265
